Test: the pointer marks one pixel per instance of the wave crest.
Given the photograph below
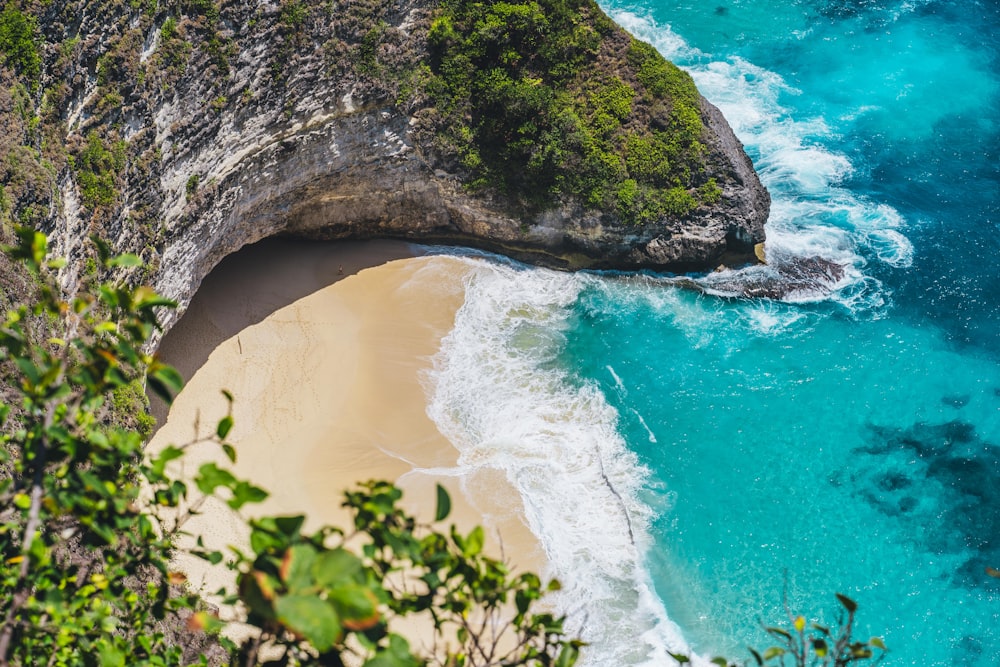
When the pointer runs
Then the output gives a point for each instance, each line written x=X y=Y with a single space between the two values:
x=499 y=398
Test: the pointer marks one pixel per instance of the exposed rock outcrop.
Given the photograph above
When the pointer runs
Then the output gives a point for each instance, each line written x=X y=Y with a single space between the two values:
x=236 y=121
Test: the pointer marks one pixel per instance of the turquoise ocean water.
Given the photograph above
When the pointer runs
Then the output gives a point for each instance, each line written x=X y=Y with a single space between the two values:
x=691 y=462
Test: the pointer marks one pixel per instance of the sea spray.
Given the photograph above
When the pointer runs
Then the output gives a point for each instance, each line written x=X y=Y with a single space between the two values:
x=500 y=396
x=774 y=437
x=812 y=214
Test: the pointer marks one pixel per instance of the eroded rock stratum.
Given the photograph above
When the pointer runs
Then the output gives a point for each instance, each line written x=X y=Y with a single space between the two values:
x=183 y=131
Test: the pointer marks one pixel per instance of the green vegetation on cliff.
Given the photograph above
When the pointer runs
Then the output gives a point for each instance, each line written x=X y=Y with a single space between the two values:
x=546 y=103
x=548 y=100
x=20 y=42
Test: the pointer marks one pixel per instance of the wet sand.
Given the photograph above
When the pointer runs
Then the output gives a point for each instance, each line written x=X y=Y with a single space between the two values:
x=325 y=348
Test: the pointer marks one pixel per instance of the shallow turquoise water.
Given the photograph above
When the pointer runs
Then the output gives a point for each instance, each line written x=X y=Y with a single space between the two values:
x=827 y=454
x=691 y=461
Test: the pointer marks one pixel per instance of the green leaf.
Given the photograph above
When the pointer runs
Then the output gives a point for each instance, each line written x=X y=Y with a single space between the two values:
x=110 y=656
x=206 y=622
x=335 y=567
x=257 y=591
x=29 y=369
x=357 y=606
x=396 y=655
x=680 y=658
x=443 y=504
x=225 y=425
x=773 y=652
x=850 y=605
x=310 y=617
x=721 y=662
x=103 y=249
x=289 y=525
x=170 y=452
x=568 y=656
x=146 y=297
x=262 y=540
x=210 y=477
x=297 y=566
x=474 y=542
x=244 y=492
x=522 y=601
x=165 y=381
x=213 y=557
x=229 y=451
x=127 y=259
x=39 y=248
x=877 y=643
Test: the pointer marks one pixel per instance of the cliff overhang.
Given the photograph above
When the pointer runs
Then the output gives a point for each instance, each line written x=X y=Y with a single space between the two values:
x=184 y=132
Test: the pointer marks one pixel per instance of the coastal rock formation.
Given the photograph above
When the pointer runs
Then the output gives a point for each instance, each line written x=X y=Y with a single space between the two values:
x=183 y=131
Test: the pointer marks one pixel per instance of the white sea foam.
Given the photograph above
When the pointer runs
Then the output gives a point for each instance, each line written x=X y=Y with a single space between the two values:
x=812 y=212
x=499 y=398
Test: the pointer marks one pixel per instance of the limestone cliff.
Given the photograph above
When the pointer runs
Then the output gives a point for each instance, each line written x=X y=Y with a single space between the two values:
x=183 y=130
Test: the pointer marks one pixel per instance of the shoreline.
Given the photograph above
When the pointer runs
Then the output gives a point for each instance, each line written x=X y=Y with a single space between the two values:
x=325 y=348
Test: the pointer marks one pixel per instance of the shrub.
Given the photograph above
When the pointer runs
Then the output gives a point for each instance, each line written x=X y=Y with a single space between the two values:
x=511 y=76
x=97 y=169
x=813 y=645
x=20 y=43
x=90 y=522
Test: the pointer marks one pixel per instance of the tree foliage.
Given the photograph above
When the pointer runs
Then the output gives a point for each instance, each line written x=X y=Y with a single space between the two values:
x=91 y=521
x=538 y=99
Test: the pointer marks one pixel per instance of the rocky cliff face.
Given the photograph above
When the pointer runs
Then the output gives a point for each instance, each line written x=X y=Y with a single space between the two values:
x=185 y=130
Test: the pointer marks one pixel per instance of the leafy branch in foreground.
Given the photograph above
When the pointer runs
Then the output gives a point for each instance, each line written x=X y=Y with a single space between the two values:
x=320 y=597
x=813 y=645
x=90 y=521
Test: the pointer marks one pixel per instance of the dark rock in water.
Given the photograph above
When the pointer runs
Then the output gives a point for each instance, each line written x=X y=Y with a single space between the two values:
x=787 y=277
x=956 y=401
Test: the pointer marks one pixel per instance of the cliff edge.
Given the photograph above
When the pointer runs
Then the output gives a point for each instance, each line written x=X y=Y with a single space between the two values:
x=184 y=130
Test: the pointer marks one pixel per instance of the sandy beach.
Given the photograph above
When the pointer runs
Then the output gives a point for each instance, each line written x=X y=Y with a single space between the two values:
x=325 y=349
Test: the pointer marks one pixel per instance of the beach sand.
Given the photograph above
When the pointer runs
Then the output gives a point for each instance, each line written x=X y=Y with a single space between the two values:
x=325 y=347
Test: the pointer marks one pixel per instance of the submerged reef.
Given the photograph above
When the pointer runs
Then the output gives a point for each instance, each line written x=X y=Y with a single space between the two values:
x=943 y=479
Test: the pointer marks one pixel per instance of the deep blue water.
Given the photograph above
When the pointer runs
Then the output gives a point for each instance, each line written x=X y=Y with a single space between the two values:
x=693 y=462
